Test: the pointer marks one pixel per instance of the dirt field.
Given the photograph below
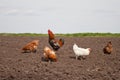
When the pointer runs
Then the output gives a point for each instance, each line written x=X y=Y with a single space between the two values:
x=15 y=65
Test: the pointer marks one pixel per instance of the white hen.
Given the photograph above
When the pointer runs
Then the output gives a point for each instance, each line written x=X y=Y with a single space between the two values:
x=80 y=51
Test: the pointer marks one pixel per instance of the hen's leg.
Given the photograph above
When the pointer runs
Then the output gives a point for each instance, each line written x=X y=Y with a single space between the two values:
x=76 y=57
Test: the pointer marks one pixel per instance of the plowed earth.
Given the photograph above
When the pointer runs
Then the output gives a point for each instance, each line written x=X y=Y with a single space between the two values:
x=15 y=65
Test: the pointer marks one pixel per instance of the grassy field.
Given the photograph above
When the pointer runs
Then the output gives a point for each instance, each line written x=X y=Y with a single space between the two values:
x=68 y=35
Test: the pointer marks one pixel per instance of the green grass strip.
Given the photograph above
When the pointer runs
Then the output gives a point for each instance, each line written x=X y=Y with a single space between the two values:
x=67 y=35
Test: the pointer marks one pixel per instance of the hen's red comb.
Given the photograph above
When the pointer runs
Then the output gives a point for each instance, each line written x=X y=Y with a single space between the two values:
x=49 y=31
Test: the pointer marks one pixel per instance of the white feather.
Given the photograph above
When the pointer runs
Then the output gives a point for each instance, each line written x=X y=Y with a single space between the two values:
x=80 y=51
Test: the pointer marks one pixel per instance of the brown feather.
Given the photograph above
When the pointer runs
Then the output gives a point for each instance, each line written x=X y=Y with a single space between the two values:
x=50 y=54
x=108 y=48
x=31 y=46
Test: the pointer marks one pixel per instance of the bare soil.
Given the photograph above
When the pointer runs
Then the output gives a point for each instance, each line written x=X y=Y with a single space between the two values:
x=15 y=65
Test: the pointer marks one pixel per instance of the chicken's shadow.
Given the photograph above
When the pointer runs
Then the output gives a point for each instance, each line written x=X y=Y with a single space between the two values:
x=46 y=60
x=79 y=58
x=28 y=52
x=72 y=57
x=43 y=59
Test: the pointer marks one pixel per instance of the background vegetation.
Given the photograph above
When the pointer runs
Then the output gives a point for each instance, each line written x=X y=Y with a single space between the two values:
x=68 y=35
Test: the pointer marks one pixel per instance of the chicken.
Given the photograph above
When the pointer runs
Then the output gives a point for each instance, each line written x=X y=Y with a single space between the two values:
x=80 y=52
x=49 y=54
x=55 y=43
x=31 y=46
x=108 y=48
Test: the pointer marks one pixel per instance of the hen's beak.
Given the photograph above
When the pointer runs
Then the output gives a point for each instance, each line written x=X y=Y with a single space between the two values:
x=90 y=49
